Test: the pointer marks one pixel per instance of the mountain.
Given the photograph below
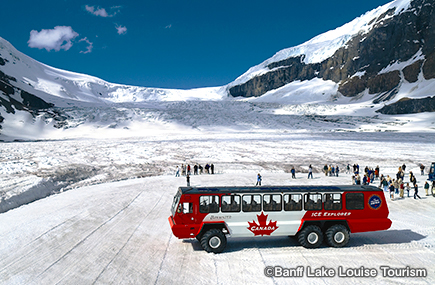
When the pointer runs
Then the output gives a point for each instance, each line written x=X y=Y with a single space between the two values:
x=383 y=56
x=383 y=61
x=34 y=96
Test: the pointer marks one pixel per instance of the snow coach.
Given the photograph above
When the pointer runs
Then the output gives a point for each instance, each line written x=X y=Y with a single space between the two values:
x=311 y=213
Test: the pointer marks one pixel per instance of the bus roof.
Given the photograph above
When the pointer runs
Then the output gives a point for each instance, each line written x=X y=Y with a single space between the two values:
x=266 y=189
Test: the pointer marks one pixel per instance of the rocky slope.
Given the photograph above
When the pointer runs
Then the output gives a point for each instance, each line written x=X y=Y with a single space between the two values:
x=398 y=47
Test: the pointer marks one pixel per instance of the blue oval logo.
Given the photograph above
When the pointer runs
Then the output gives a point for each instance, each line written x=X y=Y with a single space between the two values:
x=375 y=202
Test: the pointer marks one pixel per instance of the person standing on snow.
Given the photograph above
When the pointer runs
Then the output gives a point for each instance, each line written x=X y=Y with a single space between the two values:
x=397 y=185
x=358 y=179
x=407 y=188
x=402 y=188
x=422 y=169
x=365 y=179
x=392 y=191
x=377 y=171
x=258 y=180
x=416 y=191
x=412 y=178
x=177 y=173
x=310 y=172
x=293 y=171
x=188 y=180
x=188 y=169
x=384 y=183
x=426 y=188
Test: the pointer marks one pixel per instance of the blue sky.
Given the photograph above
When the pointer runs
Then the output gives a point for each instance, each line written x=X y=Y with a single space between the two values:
x=167 y=43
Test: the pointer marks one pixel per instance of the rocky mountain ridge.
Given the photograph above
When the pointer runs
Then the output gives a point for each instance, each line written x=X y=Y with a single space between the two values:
x=398 y=48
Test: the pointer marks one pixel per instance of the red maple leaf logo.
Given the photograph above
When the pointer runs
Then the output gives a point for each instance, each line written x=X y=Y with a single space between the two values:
x=262 y=228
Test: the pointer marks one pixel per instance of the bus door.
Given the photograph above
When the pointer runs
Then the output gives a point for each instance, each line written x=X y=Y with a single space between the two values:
x=185 y=210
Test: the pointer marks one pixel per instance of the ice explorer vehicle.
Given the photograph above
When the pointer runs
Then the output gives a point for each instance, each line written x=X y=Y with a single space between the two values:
x=311 y=213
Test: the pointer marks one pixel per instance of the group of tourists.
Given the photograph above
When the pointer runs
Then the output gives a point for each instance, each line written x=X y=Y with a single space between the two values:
x=310 y=172
x=331 y=170
x=186 y=170
x=369 y=176
x=397 y=186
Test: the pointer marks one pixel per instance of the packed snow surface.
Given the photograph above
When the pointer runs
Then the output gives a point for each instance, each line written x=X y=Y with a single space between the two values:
x=118 y=233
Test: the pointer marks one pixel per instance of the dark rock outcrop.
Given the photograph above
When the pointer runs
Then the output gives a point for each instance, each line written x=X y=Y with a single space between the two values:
x=29 y=103
x=409 y=106
x=392 y=39
x=412 y=71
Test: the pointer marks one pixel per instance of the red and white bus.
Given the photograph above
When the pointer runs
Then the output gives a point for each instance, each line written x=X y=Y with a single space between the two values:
x=312 y=213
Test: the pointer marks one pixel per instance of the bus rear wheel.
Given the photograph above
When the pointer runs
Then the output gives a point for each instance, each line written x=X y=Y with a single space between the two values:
x=337 y=236
x=310 y=237
x=214 y=241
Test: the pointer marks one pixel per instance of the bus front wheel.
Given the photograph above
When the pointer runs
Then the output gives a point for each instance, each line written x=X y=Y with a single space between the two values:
x=214 y=241
x=310 y=237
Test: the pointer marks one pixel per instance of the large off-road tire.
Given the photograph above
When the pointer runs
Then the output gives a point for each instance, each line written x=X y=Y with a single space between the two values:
x=199 y=236
x=310 y=237
x=214 y=241
x=337 y=236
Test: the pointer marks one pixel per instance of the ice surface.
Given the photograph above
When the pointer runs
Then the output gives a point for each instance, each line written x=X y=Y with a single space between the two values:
x=119 y=233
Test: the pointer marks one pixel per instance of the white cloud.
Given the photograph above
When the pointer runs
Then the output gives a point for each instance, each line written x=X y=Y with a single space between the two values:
x=54 y=39
x=89 y=47
x=101 y=12
x=168 y=26
x=121 y=30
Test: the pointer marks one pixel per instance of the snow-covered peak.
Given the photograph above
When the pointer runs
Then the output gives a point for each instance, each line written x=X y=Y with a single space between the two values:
x=61 y=87
x=325 y=45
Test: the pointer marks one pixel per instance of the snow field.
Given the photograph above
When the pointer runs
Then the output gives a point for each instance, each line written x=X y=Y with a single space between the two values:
x=37 y=169
x=119 y=233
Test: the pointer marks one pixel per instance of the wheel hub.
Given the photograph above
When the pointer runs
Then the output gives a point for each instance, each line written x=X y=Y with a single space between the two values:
x=214 y=242
x=339 y=237
x=312 y=238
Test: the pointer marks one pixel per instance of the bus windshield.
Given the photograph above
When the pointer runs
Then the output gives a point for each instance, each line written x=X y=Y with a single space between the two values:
x=175 y=202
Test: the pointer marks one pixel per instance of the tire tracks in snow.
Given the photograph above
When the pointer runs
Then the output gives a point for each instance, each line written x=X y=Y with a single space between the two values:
x=129 y=238
x=88 y=236
x=35 y=240
x=163 y=259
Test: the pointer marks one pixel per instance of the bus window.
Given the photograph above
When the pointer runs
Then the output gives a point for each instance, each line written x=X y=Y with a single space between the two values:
x=209 y=204
x=313 y=202
x=251 y=203
x=185 y=208
x=354 y=201
x=292 y=202
x=272 y=202
x=230 y=203
x=332 y=201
